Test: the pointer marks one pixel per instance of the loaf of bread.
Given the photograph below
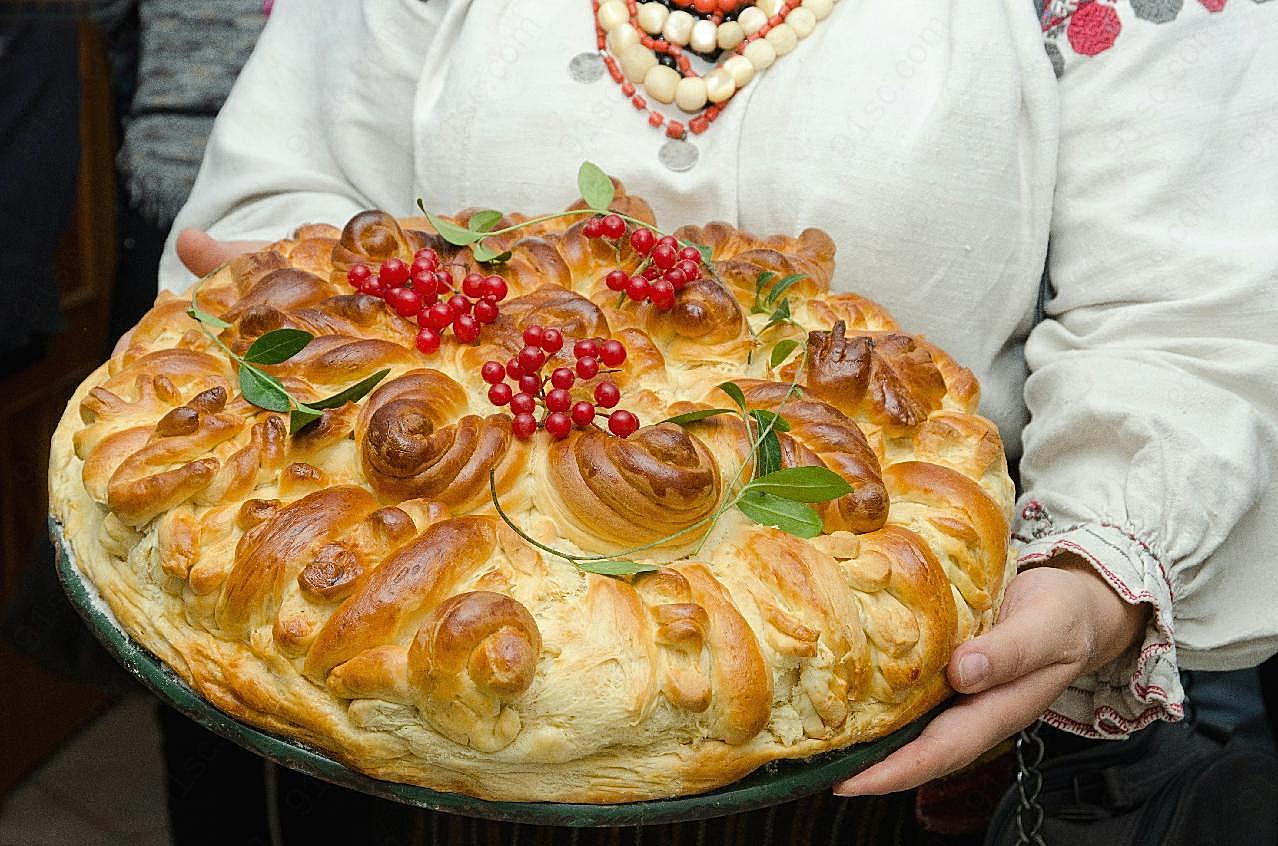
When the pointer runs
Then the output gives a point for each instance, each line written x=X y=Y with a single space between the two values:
x=353 y=586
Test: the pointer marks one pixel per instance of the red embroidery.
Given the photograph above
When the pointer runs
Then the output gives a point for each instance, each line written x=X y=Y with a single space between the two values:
x=1093 y=28
x=1212 y=5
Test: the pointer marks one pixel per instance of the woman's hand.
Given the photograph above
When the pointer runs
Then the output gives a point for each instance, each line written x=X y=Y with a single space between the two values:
x=1056 y=623
x=202 y=253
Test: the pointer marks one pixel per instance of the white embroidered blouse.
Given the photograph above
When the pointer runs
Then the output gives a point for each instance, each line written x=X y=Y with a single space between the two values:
x=937 y=146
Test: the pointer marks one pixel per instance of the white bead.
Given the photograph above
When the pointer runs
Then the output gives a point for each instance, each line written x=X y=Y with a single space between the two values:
x=678 y=28
x=661 y=82
x=751 y=19
x=730 y=35
x=802 y=21
x=770 y=7
x=636 y=60
x=690 y=94
x=705 y=37
x=621 y=38
x=782 y=38
x=652 y=17
x=719 y=84
x=820 y=8
x=740 y=69
x=760 y=53
x=612 y=14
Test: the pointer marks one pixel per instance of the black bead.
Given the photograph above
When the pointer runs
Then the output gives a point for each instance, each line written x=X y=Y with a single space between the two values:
x=667 y=60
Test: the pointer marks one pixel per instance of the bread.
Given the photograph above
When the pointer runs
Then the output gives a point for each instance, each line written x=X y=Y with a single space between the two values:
x=352 y=586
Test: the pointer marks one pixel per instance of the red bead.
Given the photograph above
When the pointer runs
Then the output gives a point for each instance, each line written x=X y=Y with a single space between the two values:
x=427 y=340
x=607 y=394
x=552 y=340
x=438 y=316
x=763 y=30
x=558 y=400
x=562 y=378
x=643 y=240
x=674 y=130
x=628 y=88
x=533 y=334
x=704 y=6
x=699 y=124
x=639 y=102
x=616 y=280
x=612 y=226
x=495 y=288
x=473 y=285
x=513 y=370
x=587 y=367
x=637 y=289
x=664 y=256
x=459 y=304
x=613 y=70
x=522 y=403
x=523 y=426
x=486 y=311
x=492 y=372
x=530 y=383
x=394 y=273
x=531 y=359
x=623 y=424
x=466 y=328
x=612 y=353
x=585 y=347
x=405 y=301
x=358 y=274
x=775 y=20
x=662 y=292
x=558 y=425
x=656 y=118
x=500 y=394
x=583 y=413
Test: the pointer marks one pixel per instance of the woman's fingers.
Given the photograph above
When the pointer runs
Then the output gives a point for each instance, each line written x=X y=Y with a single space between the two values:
x=202 y=253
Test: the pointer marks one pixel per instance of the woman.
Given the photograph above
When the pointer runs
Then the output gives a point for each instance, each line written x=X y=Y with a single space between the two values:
x=940 y=151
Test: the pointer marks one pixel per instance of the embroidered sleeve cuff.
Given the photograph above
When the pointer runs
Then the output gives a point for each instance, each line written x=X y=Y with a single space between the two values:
x=1144 y=684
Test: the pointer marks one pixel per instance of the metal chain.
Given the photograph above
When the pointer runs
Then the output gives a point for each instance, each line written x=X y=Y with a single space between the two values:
x=1029 y=783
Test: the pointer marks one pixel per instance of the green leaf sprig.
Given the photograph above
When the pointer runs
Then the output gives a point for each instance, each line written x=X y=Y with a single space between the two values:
x=264 y=390
x=769 y=299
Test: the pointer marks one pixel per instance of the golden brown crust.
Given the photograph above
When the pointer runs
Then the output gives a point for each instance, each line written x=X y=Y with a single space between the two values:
x=351 y=585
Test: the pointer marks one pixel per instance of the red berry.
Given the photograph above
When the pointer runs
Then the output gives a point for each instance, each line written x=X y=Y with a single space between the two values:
x=424 y=282
x=420 y=266
x=394 y=273
x=492 y=372
x=616 y=280
x=558 y=400
x=583 y=413
x=585 y=347
x=473 y=285
x=522 y=403
x=495 y=288
x=437 y=316
x=533 y=335
x=664 y=256
x=690 y=269
x=486 y=311
x=426 y=256
x=531 y=359
x=691 y=254
x=460 y=304
x=373 y=287
x=612 y=353
x=587 y=367
x=466 y=328
x=651 y=272
x=675 y=277
x=552 y=340
x=558 y=425
x=593 y=227
x=562 y=378
x=668 y=241
x=524 y=425
x=623 y=424
x=499 y=394
x=530 y=384
x=405 y=301
x=637 y=290
x=513 y=370
x=643 y=240
x=612 y=226
x=427 y=340
x=357 y=275
x=607 y=394
x=663 y=293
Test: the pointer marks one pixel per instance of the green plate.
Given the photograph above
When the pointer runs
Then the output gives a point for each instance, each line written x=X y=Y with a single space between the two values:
x=772 y=784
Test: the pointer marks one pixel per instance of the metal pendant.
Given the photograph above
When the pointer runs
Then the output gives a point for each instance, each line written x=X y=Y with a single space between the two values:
x=679 y=155
x=586 y=67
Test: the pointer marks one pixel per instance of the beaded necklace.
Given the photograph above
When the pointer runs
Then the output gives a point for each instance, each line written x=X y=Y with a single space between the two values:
x=649 y=45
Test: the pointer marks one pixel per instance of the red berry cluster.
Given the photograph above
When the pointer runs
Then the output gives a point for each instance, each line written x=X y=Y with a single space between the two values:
x=554 y=392
x=425 y=291
x=665 y=270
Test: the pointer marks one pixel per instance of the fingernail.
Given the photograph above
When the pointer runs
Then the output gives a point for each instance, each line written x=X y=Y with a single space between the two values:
x=973 y=669
x=847 y=788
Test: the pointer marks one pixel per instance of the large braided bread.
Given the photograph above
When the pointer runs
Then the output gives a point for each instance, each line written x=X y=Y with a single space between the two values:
x=352 y=586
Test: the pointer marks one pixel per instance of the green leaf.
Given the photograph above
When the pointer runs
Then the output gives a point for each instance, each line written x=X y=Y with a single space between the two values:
x=795 y=518
x=616 y=567
x=767 y=453
x=301 y=417
x=197 y=313
x=451 y=232
x=262 y=390
x=784 y=285
x=706 y=252
x=782 y=351
x=770 y=419
x=780 y=315
x=278 y=346
x=761 y=281
x=482 y=252
x=483 y=221
x=733 y=390
x=696 y=416
x=803 y=484
x=354 y=393
x=595 y=186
